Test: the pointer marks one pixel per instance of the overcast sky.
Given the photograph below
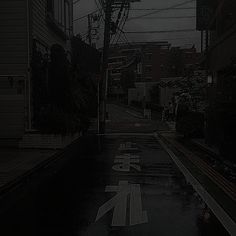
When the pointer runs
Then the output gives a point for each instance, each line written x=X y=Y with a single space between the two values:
x=155 y=24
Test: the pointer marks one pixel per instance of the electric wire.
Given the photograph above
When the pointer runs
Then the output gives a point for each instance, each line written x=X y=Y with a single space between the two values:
x=163 y=9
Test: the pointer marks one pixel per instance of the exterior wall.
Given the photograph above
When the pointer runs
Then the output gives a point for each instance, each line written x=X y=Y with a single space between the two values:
x=21 y=22
x=42 y=31
x=223 y=51
x=166 y=95
x=148 y=66
x=13 y=37
x=13 y=68
x=141 y=92
x=153 y=56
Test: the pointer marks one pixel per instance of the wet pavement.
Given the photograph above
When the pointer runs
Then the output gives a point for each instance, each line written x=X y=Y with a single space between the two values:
x=131 y=188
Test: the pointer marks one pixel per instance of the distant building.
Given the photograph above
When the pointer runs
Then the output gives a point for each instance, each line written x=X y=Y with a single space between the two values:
x=153 y=63
x=26 y=25
x=143 y=58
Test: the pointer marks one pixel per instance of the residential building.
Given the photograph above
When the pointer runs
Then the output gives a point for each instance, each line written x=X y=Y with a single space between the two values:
x=219 y=28
x=27 y=25
x=154 y=64
x=143 y=58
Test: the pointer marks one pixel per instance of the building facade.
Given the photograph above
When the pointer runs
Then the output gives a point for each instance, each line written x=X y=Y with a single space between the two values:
x=153 y=64
x=144 y=59
x=26 y=25
x=220 y=63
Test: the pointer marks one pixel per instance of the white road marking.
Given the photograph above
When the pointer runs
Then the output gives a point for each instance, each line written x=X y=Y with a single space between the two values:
x=220 y=213
x=137 y=215
x=126 y=134
x=119 y=203
x=126 y=161
x=128 y=146
x=135 y=114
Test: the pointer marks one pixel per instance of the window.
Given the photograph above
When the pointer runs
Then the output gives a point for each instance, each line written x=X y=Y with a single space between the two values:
x=149 y=56
x=148 y=69
x=59 y=12
x=115 y=71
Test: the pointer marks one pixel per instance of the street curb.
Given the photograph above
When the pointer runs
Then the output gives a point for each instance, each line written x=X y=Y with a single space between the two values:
x=135 y=115
x=211 y=153
x=49 y=167
x=220 y=213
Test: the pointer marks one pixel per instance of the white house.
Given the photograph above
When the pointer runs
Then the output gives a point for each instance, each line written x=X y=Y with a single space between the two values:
x=24 y=23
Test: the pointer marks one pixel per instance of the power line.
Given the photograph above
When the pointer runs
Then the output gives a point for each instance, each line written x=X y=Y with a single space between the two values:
x=80 y=18
x=160 y=9
x=100 y=8
x=170 y=39
x=120 y=26
x=76 y=1
x=159 y=31
x=163 y=9
x=121 y=22
x=168 y=17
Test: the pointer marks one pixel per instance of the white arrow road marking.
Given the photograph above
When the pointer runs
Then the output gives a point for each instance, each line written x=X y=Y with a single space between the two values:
x=137 y=215
x=119 y=203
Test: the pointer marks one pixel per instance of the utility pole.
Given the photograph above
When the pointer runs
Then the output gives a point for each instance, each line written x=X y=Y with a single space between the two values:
x=109 y=6
x=201 y=41
x=89 y=30
x=104 y=67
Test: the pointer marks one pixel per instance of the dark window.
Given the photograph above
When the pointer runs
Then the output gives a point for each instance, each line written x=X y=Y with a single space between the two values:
x=149 y=56
x=148 y=69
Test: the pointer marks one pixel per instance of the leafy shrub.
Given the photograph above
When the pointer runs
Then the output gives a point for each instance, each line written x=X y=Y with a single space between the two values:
x=191 y=124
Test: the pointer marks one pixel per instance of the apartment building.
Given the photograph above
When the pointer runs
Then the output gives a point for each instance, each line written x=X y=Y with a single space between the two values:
x=219 y=29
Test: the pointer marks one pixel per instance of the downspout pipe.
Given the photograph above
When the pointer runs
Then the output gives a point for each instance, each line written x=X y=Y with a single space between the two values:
x=29 y=117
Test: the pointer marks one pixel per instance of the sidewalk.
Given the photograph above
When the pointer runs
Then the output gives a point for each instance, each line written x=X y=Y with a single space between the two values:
x=20 y=169
x=217 y=191
x=15 y=163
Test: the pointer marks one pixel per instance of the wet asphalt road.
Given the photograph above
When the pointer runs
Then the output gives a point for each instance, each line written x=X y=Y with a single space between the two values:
x=131 y=188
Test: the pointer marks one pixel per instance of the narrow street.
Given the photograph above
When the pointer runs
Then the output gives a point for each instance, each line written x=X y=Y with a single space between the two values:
x=132 y=188
x=117 y=118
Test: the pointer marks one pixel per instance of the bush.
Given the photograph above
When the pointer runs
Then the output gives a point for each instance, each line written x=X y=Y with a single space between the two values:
x=191 y=125
x=63 y=102
x=221 y=128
